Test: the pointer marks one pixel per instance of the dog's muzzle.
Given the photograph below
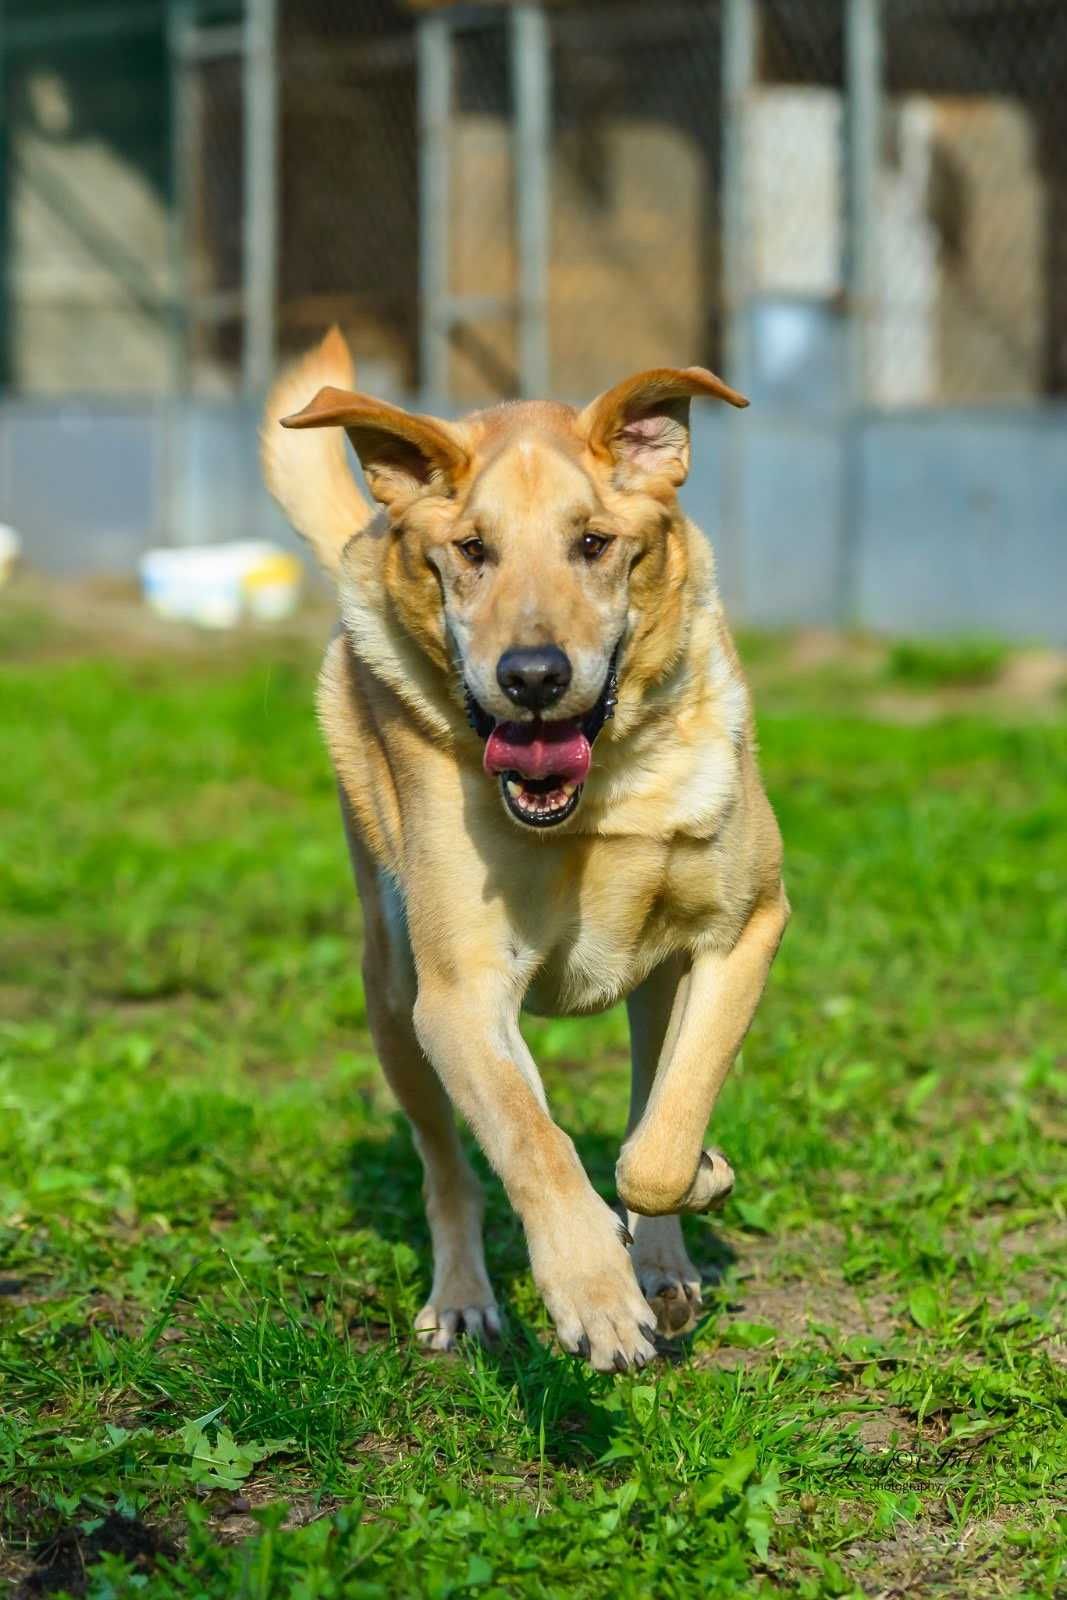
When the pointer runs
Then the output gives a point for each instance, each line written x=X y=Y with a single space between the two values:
x=542 y=766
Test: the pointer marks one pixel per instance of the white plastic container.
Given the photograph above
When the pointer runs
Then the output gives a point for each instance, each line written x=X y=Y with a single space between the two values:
x=216 y=585
x=10 y=549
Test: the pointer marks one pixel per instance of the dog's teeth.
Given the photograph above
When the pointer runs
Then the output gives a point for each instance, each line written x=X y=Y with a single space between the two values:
x=568 y=789
x=514 y=789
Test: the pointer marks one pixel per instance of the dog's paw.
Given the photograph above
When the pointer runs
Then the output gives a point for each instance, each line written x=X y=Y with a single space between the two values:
x=605 y=1322
x=668 y=1279
x=650 y=1186
x=588 y=1284
x=713 y=1184
x=438 y=1327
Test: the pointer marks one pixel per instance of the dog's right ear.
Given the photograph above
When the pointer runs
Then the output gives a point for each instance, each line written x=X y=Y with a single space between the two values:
x=401 y=452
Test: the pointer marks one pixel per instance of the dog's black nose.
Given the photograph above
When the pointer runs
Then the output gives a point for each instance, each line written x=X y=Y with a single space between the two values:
x=534 y=678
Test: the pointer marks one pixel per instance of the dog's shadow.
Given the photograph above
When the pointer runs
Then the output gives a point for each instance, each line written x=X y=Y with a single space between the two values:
x=562 y=1398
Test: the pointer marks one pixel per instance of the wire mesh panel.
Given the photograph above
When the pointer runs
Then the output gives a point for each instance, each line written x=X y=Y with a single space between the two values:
x=481 y=197
x=795 y=135
x=209 y=170
x=969 y=296
x=974 y=202
x=124 y=237
x=636 y=263
x=793 y=200
x=348 y=215
x=85 y=214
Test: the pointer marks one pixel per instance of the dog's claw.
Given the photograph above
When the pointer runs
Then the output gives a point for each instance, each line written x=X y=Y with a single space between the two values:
x=625 y=1235
x=621 y=1363
x=442 y=1330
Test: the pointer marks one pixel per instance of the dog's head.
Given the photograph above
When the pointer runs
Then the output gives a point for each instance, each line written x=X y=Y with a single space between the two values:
x=528 y=546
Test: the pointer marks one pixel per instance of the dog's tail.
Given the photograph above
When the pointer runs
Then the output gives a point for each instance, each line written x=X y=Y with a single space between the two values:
x=307 y=472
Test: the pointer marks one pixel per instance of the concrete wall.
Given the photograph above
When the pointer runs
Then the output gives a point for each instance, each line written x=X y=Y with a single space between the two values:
x=89 y=485
x=959 y=522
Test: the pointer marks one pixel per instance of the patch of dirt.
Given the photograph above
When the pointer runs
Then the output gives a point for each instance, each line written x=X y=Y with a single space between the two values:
x=1042 y=1239
x=931 y=1558
x=233 y=1522
x=18 y=1293
x=1030 y=683
x=1032 y=675
x=828 y=1300
x=60 y=1562
x=814 y=648
x=888 y=1429
x=790 y=1297
x=17 y=1001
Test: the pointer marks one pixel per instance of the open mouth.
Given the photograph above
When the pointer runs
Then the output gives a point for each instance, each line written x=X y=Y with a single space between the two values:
x=542 y=766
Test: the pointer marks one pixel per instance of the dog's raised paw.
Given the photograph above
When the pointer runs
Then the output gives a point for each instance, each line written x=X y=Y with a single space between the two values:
x=439 y=1328
x=713 y=1184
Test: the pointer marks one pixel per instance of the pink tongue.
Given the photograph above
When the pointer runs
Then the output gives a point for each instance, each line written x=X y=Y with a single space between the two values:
x=538 y=750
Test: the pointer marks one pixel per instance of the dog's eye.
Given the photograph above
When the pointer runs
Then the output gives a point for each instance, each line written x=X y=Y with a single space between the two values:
x=594 y=545
x=474 y=550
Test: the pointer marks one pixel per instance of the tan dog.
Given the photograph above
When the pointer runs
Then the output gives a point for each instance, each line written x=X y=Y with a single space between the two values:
x=515 y=844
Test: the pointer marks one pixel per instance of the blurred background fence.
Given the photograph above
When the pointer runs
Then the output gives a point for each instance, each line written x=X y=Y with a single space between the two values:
x=856 y=210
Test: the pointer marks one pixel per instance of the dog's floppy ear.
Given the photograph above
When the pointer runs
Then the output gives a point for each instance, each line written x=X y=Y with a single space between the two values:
x=401 y=452
x=642 y=424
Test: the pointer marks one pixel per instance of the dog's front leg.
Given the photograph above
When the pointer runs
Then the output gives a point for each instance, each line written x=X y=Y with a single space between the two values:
x=469 y=1030
x=662 y=1167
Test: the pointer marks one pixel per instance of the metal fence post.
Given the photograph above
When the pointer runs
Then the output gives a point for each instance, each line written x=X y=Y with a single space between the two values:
x=738 y=78
x=531 y=77
x=260 y=267
x=862 y=128
x=5 y=186
x=435 y=111
x=739 y=72
x=180 y=24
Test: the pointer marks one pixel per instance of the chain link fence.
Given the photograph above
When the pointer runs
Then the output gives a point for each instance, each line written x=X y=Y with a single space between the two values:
x=85 y=247
x=973 y=202
x=124 y=257
x=349 y=189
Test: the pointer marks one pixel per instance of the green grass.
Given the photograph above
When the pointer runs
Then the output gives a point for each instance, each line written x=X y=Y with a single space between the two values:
x=939 y=663
x=211 y=1240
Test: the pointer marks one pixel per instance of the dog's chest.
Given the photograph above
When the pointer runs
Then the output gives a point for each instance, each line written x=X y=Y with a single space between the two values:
x=613 y=912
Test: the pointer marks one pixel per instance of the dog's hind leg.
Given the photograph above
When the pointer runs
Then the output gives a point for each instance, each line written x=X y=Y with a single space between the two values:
x=461 y=1297
x=669 y=1281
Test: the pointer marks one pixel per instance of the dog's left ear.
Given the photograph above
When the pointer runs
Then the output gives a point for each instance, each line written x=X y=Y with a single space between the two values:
x=642 y=424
